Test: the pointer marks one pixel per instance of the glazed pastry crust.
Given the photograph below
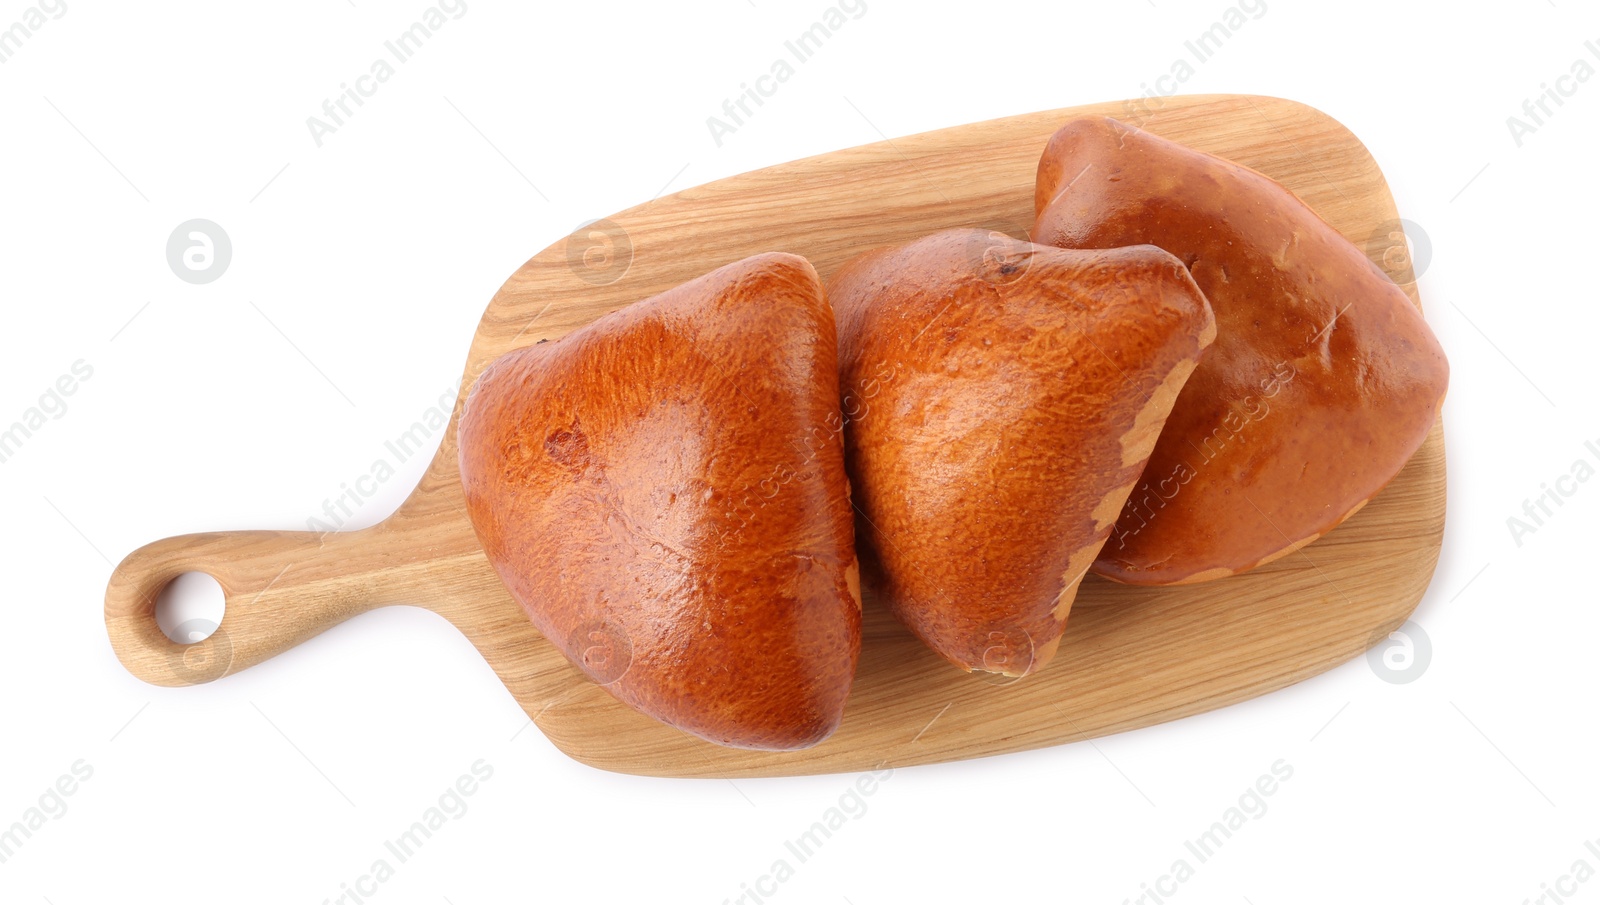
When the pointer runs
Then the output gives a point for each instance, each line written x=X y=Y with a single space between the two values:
x=663 y=491
x=1002 y=398
x=1323 y=381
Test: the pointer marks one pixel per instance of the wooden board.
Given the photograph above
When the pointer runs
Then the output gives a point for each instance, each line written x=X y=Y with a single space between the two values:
x=1131 y=657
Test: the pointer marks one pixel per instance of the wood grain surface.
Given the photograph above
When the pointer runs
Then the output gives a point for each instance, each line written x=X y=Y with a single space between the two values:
x=1130 y=657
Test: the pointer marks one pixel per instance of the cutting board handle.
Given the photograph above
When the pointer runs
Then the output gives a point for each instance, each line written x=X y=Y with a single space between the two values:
x=280 y=588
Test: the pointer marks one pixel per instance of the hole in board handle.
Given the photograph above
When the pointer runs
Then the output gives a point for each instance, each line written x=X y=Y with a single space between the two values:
x=190 y=608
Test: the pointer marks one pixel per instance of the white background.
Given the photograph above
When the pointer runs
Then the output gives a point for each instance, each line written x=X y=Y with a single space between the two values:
x=360 y=270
